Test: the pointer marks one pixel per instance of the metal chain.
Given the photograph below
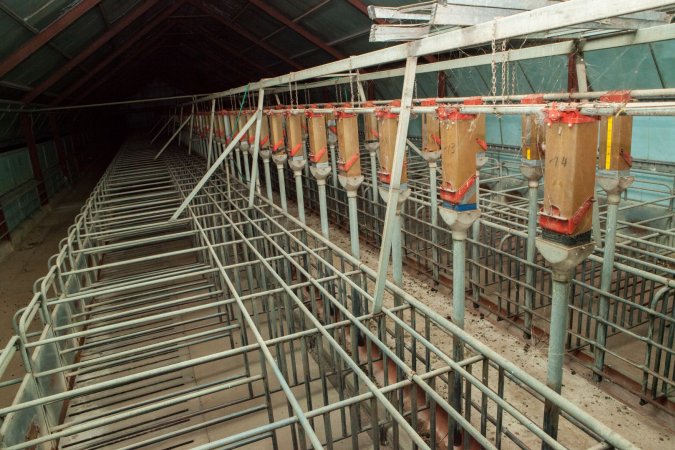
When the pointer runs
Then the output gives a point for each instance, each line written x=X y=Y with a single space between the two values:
x=493 y=63
x=514 y=79
x=504 y=70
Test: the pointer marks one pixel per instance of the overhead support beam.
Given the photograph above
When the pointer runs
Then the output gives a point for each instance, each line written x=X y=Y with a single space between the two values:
x=363 y=8
x=44 y=36
x=276 y=14
x=461 y=13
x=158 y=19
x=120 y=25
x=245 y=34
x=557 y=16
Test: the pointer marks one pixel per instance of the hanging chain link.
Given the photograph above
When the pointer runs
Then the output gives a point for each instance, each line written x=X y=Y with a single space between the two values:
x=504 y=70
x=493 y=63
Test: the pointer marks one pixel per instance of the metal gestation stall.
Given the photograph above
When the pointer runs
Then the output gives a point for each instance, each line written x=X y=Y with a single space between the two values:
x=234 y=325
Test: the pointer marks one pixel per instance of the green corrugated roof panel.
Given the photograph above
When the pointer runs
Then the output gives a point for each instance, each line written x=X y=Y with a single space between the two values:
x=80 y=34
x=40 y=13
x=115 y=9
x=36 y=68
x=664 y=53
x=13 y=35
x=630 y=67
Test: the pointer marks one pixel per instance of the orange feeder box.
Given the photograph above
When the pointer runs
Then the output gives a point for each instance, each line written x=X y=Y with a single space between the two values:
x=388 y=125
x=318 y=144
x=462 y=140
x=278 y=143
x=372 y=135
x=533 y=132
x=431 y=129
x=348 y=163
x=264 y=132
x=569 y=180
x=233 y=124
x=294 y=134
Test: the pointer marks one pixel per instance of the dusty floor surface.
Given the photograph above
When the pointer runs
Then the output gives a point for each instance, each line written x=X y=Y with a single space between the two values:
x=19 y=271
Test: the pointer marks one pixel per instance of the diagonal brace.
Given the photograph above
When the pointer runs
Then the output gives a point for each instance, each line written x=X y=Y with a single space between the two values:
x=395 y=183
x=213 y=168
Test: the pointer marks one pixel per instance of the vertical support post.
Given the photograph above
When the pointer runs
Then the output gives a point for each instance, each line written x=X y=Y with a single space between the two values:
x=319 y=165
x=192 y=115
x=395 y=183
x=614 y=178
x=27 y=128
x=256 y=147
x=532 y=168
x=210 y=146
x=296 y=157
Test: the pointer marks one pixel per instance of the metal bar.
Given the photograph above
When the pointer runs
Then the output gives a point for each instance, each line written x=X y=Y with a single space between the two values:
x=394 y=186
x=213 y=168
x=173 y=136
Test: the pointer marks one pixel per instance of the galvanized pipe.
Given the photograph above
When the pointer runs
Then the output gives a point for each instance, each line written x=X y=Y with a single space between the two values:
x=531 y=250
x=556 y=353
x=609 y=248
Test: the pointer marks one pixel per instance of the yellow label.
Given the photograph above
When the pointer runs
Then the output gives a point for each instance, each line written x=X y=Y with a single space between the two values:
x=527 y=150
x=608 y=152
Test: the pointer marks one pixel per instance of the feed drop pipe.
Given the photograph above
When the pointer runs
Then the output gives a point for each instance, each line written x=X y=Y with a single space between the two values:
x=614 y=178
x=566 y=221
x=266 y=153
x=279 y=154
x=237 y=150
x=209 y=130
x=349 y=174
x=532 y=168
x=244 y=146
x=462 y=140
x=296 y=156
x=431 y=152
x=372 y=144
x=227 y=137
x=331 y=121
x=319 y=166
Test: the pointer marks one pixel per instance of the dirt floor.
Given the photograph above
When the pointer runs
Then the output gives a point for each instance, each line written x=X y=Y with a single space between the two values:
x=27 y=263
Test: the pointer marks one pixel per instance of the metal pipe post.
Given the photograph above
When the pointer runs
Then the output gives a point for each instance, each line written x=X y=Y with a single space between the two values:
x=323 y=208
x=297 y=173
x=282 y=186
x=531 y=252
x=268 y=179
x=210 y=147
x=556 y=352
x=433 y=200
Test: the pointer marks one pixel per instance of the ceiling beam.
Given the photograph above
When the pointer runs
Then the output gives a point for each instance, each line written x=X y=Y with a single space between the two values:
x=276 y=14
x=244 y=33
x=159 y=18
x=103 y=39
x=44 y=36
